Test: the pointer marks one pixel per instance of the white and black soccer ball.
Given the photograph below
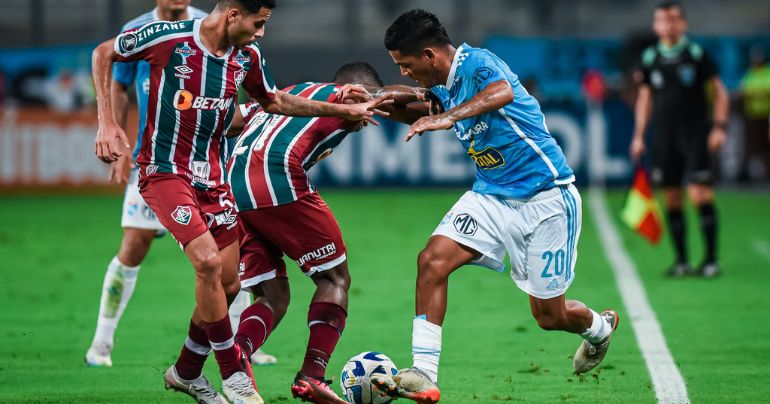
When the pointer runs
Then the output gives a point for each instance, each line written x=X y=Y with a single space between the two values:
x=355 y=378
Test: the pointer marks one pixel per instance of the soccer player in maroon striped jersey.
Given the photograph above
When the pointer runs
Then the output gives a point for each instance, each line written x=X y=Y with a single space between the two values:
x=196 y=67
x=281 y=212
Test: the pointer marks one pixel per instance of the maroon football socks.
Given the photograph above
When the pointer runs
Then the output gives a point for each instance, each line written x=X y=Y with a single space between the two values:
x=326 y=322
x=220 y=337
x=256 y=325
x=196 y=349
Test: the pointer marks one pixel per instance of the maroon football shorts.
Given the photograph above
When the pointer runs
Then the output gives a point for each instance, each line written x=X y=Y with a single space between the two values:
x=305 y=230
x=188 y=212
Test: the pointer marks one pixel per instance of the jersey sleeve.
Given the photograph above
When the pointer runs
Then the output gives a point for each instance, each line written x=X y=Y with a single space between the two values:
x=708 y=66
x=258 y=82
x=248 y=110
x=483 y=70
x=645 y=63
x=124 y=72
x=142 y=43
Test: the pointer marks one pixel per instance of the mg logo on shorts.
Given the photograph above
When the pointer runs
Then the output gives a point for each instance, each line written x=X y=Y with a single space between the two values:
x=182 y=215
x=465 y=224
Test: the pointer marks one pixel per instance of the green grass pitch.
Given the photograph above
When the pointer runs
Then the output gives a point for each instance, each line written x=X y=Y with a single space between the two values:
x=54 y=251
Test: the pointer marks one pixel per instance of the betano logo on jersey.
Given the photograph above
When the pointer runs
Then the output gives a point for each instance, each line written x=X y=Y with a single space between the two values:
x=487 y=159
x=184 y=100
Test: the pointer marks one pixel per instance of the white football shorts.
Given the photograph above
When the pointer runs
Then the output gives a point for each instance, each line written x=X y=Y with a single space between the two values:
x=540 y=236
x=136 y=213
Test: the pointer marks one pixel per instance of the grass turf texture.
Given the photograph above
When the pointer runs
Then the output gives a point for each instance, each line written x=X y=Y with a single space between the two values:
x=55 y=250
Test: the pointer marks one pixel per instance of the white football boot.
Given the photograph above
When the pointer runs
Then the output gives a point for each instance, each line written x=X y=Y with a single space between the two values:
x=588 y=355
x=98 y=355
x=260 y=357
x=410 y=383
x=239 y=389
x=199 y=388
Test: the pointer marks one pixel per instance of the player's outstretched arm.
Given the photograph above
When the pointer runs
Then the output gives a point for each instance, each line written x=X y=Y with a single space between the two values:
x=642 y=116
x=409 y=103
x=284 y=103
x=493 y=97
x=111 y=141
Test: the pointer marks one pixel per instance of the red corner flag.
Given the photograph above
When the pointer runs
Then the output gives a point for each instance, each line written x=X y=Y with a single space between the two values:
x=641 y=211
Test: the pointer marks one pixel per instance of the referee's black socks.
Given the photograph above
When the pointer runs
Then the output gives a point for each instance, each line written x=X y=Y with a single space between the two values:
x=676 y=225
x=708 y=223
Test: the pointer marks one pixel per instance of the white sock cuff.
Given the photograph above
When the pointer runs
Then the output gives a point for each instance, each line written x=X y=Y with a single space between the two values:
x=598 y=331
x=128 y=272
x=196 y=347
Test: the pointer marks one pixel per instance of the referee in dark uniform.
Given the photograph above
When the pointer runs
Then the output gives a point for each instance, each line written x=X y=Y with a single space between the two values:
x=675 y=75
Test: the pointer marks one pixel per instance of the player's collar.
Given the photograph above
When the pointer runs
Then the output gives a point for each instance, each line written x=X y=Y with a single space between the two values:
x=675 y=49
x=197 y=38
x=455 y=63
x=155 y=14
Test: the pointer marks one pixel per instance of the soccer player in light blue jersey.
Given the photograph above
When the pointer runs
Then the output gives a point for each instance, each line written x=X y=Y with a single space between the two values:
x=523 y=201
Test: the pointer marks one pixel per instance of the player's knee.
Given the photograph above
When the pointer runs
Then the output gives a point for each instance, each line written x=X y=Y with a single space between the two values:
x=208 y=267
x=431 y=264
x=338 y=277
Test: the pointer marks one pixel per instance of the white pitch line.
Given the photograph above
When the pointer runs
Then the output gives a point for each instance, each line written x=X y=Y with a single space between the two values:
x=666 y=379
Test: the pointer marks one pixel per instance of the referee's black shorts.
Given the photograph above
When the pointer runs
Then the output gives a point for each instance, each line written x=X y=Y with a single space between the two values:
x=680 y=153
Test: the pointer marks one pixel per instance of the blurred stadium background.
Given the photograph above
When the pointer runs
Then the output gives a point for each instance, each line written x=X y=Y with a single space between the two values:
x=60 y=216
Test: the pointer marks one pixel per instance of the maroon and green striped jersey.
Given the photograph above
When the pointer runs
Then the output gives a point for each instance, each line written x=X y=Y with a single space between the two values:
x=193 y=95
x=273 y=153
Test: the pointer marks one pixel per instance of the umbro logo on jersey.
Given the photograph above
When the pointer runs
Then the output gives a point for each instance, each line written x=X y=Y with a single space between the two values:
x=184 y=100
x=183 y=71
x=465 y=224
x=182 y=215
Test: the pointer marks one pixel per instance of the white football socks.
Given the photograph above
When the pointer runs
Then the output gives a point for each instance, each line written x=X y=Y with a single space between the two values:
x=426 y=346
x=118 y=286
x=241 y=302
x=599 y=330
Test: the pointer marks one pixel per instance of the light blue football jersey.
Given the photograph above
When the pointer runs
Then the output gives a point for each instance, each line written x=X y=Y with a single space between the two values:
x=139 y=72
x=515 y=155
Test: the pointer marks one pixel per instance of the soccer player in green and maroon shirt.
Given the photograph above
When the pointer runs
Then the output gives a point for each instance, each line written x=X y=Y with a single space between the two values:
x=282 y=213
x=195 y=69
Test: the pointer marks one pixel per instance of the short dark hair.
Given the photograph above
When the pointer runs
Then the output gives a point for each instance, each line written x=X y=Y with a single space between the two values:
x=358 y=73
x=669 y=4
x=415 y=30
x=250 y=6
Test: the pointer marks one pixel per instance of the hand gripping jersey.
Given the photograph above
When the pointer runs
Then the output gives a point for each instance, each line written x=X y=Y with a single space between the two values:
x=271 y=157
x=515 y=155
x=192 y=97
x=139 y=72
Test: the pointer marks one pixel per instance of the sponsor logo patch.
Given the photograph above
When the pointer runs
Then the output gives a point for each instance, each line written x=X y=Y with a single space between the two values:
x=227 y=218
x=553 y=285
x=151 y=169
x=183 y=71
x=487 y=159
x=128 y=42
x=320 y=253
x=182 y=215
x=184 y=100
x=465 y=224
